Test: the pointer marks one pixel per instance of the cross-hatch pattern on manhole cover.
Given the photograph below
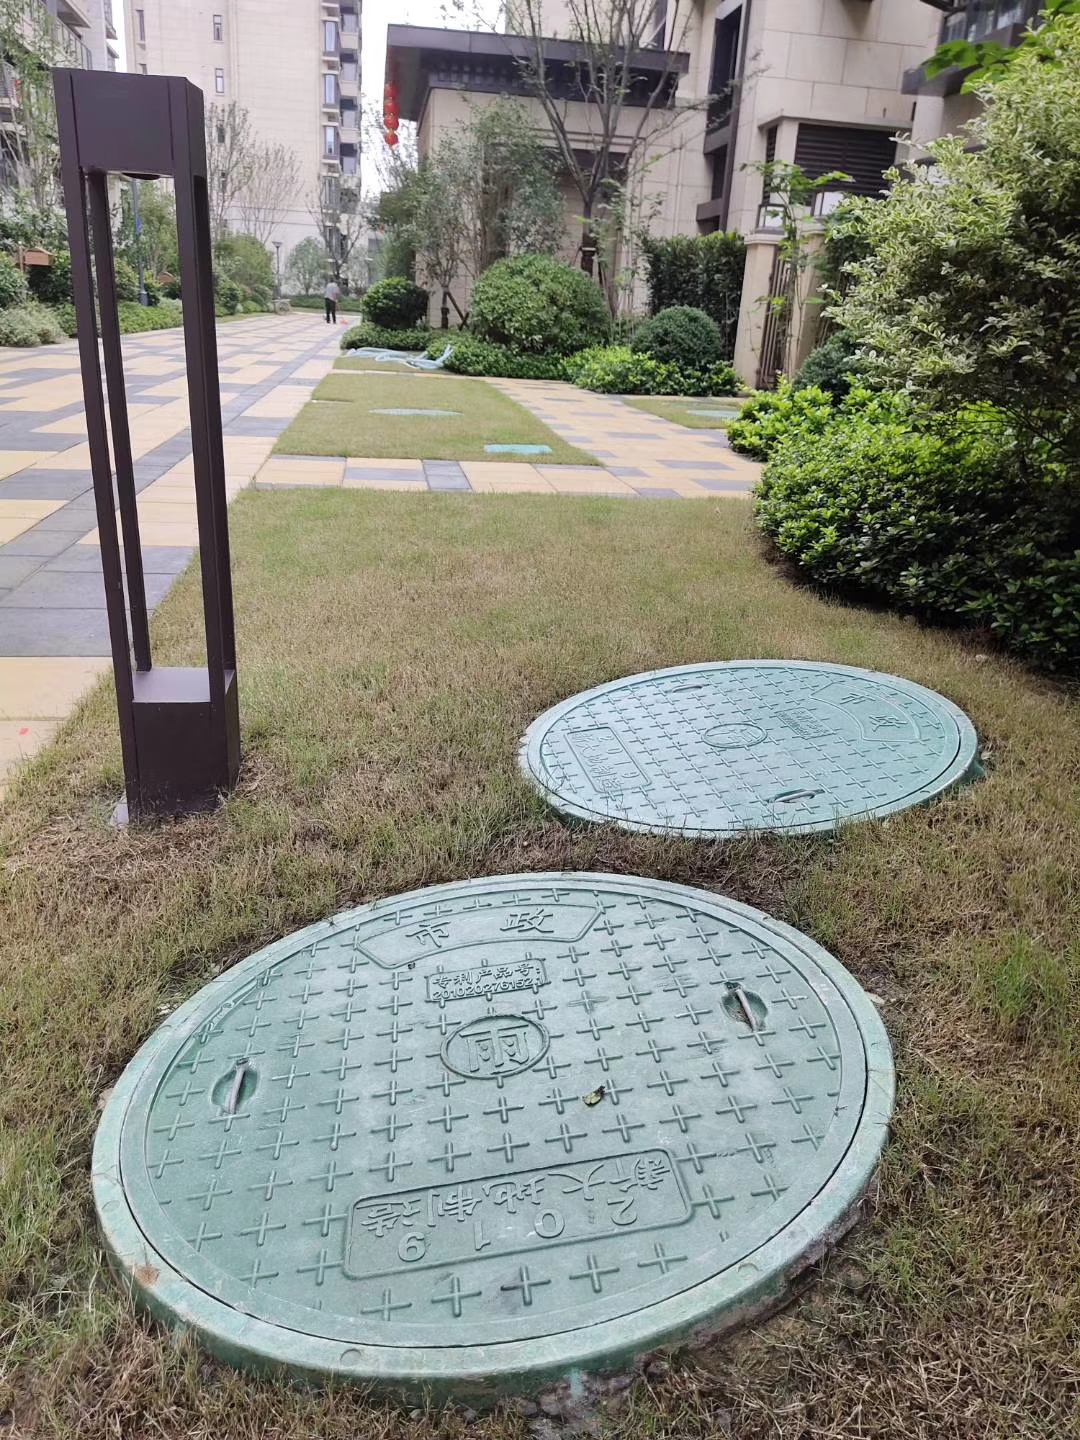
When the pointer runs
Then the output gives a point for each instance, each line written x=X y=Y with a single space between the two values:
x=521 y=1107
x=712 y=750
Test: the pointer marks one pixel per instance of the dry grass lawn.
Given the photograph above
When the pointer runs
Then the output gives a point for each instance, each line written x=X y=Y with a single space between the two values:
x=391 y=653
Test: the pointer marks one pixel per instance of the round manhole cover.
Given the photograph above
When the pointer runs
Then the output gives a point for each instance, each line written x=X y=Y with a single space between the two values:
x=489 y=1133
x=711 y=750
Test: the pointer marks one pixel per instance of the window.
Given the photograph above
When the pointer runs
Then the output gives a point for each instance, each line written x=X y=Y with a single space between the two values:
x=348 y=164
x=350 y=71
x=348 y=22
x=329 y=43
x=724 y=72
x=219 y=81
x=140 y=25
x=329 y=89
x=218 y=28
x=142 y=68
x=718 y=160
x=865 y=155
x=220 y=133
x=330 y=140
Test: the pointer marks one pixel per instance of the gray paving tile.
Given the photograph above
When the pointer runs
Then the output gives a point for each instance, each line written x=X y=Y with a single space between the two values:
x=75 y=518
x=656 y=492
x=26 y=437
x=69 y=590
x=54 y=632
x=709 y=467
x=14 y=569
x=46 y=485
x=628 y=472
x=734 y=482
x=45 y=543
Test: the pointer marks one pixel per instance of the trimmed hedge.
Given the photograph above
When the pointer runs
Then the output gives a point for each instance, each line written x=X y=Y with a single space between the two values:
x=949 y=521
x=538 y=306
x=703 y=271
x=481 y=357
x=680 y=335
x=347 y=304
x=769 y=416
x=618 y=370
x=135 y=317
x=395 y=304
x=374 y=337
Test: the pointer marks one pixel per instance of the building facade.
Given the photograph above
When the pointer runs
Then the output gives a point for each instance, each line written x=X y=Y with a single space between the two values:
x=293 y=65
x=818 y=83
x=940 y=106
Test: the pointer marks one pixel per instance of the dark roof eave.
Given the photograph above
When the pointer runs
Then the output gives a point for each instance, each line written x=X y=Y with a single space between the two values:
x=489 y=45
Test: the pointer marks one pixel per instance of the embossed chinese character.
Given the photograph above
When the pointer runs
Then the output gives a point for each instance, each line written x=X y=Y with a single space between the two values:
x=457 y=1203
x=436 y=934
x=381 y=1219
x=514 y=1193
x=529 y=922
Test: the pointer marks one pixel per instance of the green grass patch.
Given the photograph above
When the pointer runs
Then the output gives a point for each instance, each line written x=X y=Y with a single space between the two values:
x=347 y=426
x=684 y=410
x=391 y=656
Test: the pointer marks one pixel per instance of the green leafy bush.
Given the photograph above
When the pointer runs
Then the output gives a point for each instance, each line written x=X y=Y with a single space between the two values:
x=374 y=337
x=770 y=416
x=29 y=324
x=227 y=294
x=618 y=370
x=65 y=318
x=703 y=271
x=51 y=284
x=680 y=335
x=830 y=367
x=135 y=317
x=127 y=281
x=482 y=357
x=395 y=304
x=13 y=286
x=153 y=290
x=538 y=306
x=947 y=520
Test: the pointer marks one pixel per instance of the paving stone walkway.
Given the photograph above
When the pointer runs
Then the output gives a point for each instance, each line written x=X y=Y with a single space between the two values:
x=54 y=638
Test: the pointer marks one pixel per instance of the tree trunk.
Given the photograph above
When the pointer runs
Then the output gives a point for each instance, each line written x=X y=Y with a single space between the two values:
x=444 y=313
x=588 y=239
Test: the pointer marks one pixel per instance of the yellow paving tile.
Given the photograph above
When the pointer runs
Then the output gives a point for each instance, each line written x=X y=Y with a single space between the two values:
x=313 y=472
x=20 y=739
x=251 y=374
x=312 y=370
x=45 y=686
x=411 y=467
x=289 y=480
x=14 y=460
x=169 y=389
x=159 y=532
x=76 y=457
x=28 y=509
x=403 y=485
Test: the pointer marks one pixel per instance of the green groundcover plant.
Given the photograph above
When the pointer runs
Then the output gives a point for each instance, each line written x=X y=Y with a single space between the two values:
x=366 y=336
x=470 y=356
x=770 y=415
x=618 y=370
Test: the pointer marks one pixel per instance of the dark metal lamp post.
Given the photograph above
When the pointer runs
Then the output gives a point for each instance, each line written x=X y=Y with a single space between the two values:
x=179 y=728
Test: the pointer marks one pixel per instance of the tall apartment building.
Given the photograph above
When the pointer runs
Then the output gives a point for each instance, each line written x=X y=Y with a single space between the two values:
x=294 y=65
x=814 y=82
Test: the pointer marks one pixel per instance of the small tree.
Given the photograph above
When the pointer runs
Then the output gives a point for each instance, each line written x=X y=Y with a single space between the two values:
x=790 y=195
x=269 y=189
x=624 y=108
x=969 y=291
x=230 y=149
x=31 y=43
x=337 y=210
x=438 y=225
x=306 y=265
x=156 y=241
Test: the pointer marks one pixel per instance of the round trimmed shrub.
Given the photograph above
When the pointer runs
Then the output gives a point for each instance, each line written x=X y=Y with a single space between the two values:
x=830 y=367
x=13 y=287
x=395 y=304
x=127 y=281
x=538 y=306
x=682 y=336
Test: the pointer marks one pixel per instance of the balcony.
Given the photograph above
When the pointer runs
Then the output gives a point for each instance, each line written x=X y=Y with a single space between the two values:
x=74 y=13
x=350 y=126
x=349 y=75
x=1002 y=22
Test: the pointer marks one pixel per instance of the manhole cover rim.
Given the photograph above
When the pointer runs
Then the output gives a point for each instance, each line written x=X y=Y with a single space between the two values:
x=962 y=766
x=250 y=1341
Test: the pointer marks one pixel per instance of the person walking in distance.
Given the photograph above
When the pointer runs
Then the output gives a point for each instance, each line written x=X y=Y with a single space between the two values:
x=330 y=294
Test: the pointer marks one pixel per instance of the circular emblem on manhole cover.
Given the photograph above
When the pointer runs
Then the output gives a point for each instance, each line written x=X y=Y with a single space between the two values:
x=712 y=750
x=507 y=1128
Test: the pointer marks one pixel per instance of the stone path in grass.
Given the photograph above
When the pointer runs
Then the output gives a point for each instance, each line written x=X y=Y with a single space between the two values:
x=54 y=638
x=639 y=456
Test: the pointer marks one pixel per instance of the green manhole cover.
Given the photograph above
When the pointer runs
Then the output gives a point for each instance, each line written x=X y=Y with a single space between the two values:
x=479 y=1136
x=711 y=750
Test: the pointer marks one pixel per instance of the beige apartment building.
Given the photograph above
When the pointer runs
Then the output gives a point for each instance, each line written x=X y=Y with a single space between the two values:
x=294 y=65
x=820 y=83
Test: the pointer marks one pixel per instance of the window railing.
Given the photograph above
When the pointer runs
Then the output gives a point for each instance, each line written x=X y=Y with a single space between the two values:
x=982 y=17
